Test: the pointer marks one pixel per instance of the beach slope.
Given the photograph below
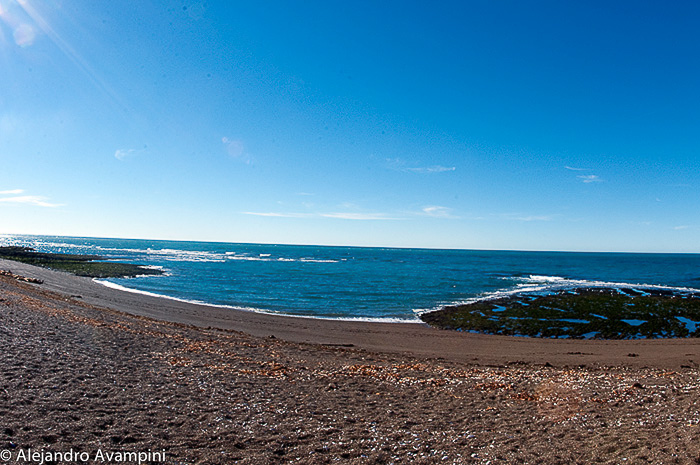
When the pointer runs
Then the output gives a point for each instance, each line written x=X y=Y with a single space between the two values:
x=88 y=369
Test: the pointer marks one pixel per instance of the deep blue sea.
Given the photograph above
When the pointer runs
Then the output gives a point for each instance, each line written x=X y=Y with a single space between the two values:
x=360 y=282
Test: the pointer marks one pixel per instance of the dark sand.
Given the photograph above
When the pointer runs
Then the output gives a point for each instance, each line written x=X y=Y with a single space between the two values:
x=90 y=368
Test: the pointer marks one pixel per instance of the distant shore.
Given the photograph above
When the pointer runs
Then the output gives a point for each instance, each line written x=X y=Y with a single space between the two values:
x=91 y=266
x=409 y=338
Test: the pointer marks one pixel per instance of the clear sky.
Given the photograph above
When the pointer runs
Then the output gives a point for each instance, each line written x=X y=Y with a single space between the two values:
x=471 y=124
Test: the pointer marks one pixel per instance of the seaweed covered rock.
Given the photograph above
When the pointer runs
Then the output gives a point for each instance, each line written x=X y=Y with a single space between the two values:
x=590 y=313
x=80 y=265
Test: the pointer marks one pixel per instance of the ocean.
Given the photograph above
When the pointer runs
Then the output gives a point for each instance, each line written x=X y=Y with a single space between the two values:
x=384 y=284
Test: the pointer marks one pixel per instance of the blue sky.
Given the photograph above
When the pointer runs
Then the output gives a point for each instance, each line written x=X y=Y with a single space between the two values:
x=472 y=124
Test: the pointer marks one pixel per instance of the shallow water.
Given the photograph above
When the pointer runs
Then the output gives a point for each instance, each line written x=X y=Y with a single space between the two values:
x=359 y=282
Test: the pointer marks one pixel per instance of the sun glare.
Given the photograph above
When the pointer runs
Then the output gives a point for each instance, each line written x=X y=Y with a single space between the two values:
x=15 y=23
x=23 y=23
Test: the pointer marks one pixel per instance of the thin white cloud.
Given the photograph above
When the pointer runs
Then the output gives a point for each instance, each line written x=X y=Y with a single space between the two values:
x=526 y=218
x=333 y=215
x=35 y=200
x=585 y=178
x=682 y=227
x=398 y=164
x=432 y=169
x=589 y=178
x=534 y=218
x=279 y=215
x=123 y=154
x=395 y=164
x=359 y=216
x=12 y=192
x=437 y=211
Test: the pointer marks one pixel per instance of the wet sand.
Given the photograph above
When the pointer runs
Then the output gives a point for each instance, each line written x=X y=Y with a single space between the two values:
x=90 y=368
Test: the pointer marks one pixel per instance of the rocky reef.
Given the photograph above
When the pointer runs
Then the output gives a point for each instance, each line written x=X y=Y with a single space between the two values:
x=81 y=265
x=581 y=313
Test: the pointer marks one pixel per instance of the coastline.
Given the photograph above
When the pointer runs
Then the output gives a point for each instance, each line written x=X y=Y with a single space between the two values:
x=110 y=379
x=119 y=287
x=414 y=339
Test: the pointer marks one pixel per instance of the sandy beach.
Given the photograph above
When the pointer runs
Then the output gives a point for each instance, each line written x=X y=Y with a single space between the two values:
x=88 y=368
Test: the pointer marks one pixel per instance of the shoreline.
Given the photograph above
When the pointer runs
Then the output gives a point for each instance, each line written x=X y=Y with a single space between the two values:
x=119 y=287
x=414 y=339
x=85 y=378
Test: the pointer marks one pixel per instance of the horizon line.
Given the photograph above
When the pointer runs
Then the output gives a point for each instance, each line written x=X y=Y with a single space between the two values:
x=352 y=246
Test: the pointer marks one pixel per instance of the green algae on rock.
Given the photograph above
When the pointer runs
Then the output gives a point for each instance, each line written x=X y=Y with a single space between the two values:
x=583 y=313
x=80 y=265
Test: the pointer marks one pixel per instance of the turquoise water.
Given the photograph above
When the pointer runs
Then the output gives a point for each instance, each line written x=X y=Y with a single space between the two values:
x=359 y=282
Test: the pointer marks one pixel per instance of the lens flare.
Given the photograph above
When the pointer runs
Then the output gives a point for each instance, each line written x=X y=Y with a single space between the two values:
x=24 y=35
